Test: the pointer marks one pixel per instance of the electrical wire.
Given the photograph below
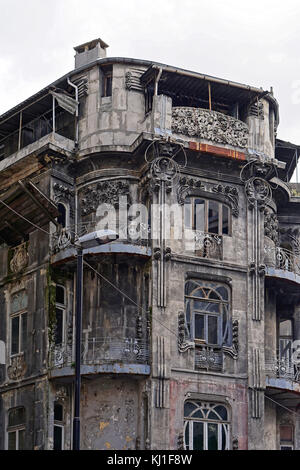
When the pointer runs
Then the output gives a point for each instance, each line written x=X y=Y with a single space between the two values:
x=125 y=295
x=103 y=277
x=24 y=218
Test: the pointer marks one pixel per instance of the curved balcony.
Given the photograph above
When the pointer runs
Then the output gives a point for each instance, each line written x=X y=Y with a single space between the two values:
x=282 y=263
x=211 y=126
x=283 y=374
x=62 y=244
x=102 y=355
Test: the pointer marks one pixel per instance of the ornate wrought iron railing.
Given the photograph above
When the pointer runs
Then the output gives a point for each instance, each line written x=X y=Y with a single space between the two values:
x=208 y=245
x=287 y=260
x=132 y=234
x=208 y=358
x=281 y=258
x=99 y=350
x=284 y=369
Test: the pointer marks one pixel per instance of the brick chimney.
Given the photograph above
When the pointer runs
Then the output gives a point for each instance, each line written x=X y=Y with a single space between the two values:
x=89 y=52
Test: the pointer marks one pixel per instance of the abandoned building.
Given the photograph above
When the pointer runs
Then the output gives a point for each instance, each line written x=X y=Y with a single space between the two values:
x=183 y=345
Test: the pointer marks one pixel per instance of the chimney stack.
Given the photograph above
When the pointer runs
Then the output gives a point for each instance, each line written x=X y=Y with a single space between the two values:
x=89 y=52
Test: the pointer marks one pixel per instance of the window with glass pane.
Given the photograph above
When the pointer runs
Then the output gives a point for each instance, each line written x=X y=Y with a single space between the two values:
x=206 y=426
x=18 y=322
x=285 y=339
x=60 y=314
x=207 y=305
x=58 y=431
x=16 y=429
x=207 y=216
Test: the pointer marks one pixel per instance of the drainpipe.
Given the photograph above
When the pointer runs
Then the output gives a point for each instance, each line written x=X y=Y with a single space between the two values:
x=76 y=97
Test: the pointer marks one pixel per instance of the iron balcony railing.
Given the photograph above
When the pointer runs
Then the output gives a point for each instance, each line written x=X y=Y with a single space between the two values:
x=283 y=368
x=287 y=260
x=97 y=351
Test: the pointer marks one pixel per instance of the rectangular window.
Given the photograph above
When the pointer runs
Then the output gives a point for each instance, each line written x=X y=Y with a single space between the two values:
x=207 y=216
x=18 y=333
x=16 y=429
x=107 y=84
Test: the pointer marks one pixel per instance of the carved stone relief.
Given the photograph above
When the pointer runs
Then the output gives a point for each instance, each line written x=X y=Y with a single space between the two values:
x=19 y=259
x=106 y=192
x=210 y=125
x=17 y=369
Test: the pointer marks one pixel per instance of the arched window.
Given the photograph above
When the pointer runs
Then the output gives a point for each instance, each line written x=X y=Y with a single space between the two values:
x=16 y=428
x=207 y=216
x=62 y=218
x=207 y=312
x=206 y=426
x=58 y=432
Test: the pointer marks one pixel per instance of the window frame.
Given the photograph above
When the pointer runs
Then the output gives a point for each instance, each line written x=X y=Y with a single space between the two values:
x=190 y=200
x=189 y=422
x=223 y=305
x=15 y=429
x=63 y=308
x=59 y=424
x=18 y=314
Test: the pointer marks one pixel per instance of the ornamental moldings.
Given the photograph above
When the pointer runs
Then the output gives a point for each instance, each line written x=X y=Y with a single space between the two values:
x=210 y=125
x=258 y=192
x=183 y=334
x=185 y=186
x=106 y=192
x=19 y=259
x=271 y=226
x=231 y=194
x=61 y=191
x=233 y=350
x=17 y=369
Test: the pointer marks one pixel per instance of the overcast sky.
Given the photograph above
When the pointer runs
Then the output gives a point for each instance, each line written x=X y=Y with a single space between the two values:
x=255 y=42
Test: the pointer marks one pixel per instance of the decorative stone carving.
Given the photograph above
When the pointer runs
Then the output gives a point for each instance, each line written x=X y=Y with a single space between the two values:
x=19 y=259
x=61 y=394
x=210 y=125
x=162 y=155
x=61 y=239
x=17 y=369
x=233 y=350
x=139 y=330
x=183 y=334
x=271 y=226
x=235 y=443
x=106 y=192
x=180 y=442
x=231 y=194
x=258 y=191
x=186 y=185
x=133 y=80
x=61 y=191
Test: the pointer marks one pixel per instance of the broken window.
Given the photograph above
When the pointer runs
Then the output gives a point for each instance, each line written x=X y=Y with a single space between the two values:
x=206 y=426
x=207 y=216
x=58 y=431
x=207 y=312
x=16 y=429
x=18 y=322
x=60 y=314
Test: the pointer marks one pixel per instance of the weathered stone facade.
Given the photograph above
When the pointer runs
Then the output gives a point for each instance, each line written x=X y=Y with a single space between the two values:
x=193 y=349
